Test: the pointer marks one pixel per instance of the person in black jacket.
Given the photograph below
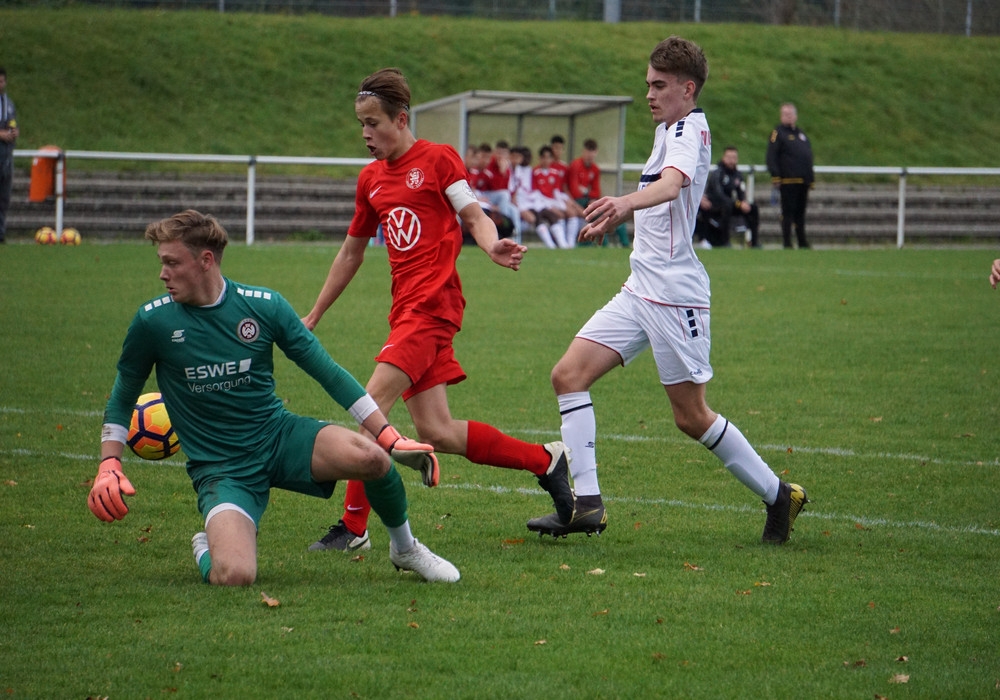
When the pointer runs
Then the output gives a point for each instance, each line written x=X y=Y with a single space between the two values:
x=725 y=197
x=790 y=162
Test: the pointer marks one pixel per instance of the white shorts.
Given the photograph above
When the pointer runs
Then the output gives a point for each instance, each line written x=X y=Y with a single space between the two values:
x=679 y=336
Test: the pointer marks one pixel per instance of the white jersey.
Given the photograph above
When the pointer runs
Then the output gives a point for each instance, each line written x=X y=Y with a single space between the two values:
x=665 y=268
x=521 y=189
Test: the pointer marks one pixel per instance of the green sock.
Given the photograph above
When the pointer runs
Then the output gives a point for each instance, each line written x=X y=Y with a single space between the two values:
x=388 y=498
x=205 y=565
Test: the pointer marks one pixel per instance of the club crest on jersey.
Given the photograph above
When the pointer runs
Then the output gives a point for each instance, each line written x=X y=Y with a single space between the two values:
x=248 y=330
x=415 y=178
x=402 y=230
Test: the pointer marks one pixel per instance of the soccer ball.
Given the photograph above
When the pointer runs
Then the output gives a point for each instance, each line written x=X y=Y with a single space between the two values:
x=70 y=236
x=151 y=436
x=46 y=236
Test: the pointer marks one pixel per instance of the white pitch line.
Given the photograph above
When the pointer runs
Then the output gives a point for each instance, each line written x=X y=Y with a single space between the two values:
x=673 y=503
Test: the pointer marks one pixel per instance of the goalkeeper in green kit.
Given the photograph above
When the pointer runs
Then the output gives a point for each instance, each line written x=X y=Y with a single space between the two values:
x=212 y=342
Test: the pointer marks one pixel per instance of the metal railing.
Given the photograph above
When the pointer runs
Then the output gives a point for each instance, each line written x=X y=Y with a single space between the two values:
x=251 y=161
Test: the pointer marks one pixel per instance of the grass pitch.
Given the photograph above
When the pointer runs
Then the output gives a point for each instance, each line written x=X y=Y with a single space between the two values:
x=868 y=376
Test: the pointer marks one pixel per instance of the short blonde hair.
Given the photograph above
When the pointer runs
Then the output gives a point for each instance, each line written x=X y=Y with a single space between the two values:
x=195 y=230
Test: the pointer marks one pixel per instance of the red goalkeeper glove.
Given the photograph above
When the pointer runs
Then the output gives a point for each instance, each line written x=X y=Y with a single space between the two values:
x=105 y=500
x=415 y=455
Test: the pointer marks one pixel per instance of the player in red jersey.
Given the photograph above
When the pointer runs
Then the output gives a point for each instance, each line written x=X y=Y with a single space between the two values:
x=414 y=190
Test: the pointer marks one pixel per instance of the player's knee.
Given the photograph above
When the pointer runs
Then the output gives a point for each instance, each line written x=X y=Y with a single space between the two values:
x=373 y=463
x=442 y=438
x=238 y=574
x=566 y=379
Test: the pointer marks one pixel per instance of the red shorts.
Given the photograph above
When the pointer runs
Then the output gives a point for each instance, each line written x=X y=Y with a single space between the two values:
x=421 y=347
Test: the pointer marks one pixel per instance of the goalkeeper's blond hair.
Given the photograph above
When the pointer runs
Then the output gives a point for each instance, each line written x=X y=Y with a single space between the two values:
x=195 y=230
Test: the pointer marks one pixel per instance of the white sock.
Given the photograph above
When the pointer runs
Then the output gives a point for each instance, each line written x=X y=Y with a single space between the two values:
x=573 y=227
x=579 y=432
x=559 y=233
x=728 y=444
x=401 y=537
x=542 y=231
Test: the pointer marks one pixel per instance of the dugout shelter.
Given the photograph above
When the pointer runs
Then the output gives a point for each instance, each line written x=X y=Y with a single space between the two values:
x=530 y=119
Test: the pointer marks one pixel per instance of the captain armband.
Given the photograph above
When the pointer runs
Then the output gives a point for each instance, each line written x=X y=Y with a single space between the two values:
x=114 y=433
x=362 y=408
x=460 y=195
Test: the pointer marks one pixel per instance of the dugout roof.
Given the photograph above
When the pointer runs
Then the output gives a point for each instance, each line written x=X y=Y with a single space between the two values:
x=529 y=119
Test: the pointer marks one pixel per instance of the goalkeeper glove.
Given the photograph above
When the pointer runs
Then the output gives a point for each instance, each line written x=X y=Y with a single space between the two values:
x=415 y=455
x=105 y=500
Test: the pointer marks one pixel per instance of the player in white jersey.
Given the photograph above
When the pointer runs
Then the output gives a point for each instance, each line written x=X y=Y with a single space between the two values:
x=664 y=305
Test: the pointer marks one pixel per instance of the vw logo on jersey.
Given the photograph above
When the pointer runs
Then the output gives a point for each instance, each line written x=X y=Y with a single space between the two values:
x=402 y=229
x=248 y=330
x=415 y=178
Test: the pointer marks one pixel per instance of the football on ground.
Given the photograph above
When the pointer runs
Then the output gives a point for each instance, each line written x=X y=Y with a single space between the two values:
x=150 y=435
x=46 y=235
x=70 y=236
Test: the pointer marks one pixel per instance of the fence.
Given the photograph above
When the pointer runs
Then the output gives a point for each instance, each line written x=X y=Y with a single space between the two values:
x=968 y=17
x=900 y=173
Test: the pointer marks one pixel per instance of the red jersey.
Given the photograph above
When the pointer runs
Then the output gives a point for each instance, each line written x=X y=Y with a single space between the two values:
x=498 y=180
x=548 y=181
x=583 y=180
x=407 y=197
x=480 y=179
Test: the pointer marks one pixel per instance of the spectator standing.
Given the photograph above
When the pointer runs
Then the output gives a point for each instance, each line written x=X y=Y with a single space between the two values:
x=8 y=139
x=583 y=180
x=663 y=306
x=726 y=197
x=790 y=162
x=418 y=192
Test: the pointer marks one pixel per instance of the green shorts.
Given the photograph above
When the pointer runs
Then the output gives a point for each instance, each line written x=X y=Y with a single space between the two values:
x=246 y=481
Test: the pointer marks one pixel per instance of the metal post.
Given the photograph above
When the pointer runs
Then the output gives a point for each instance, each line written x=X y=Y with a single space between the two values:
x=901 y=214
x=697 y=11
x=612 y=11
x=251 y=196
x=60 y=191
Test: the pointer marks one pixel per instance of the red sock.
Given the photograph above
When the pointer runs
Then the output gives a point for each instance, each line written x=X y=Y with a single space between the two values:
x=487 y=445
x=356 y=507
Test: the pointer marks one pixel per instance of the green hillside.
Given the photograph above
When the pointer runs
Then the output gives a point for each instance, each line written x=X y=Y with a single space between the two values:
x=205 y=82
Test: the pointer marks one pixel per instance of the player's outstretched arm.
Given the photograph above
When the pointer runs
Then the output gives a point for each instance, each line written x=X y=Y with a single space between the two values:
x=110 y=484
x=995 y=274
x=345 y=266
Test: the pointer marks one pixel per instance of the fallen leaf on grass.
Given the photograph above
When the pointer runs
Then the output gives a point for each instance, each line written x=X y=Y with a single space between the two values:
x=894 y=630
x=564 y=567
x=761 y=583
x=692 y=567
x=414 y=625
x=900 y=678
x=636 y=526
x=596 y=572
x=600 y=612
x=902 y=659
x=860 y=663
x=875 y=419
x=269 y=601
x=540 y=642
x=359 y=557
x=10 y=482
x=639 y=574
x=746 y=592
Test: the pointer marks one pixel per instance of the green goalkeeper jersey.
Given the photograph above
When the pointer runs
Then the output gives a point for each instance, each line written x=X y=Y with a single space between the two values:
x=215 y=368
